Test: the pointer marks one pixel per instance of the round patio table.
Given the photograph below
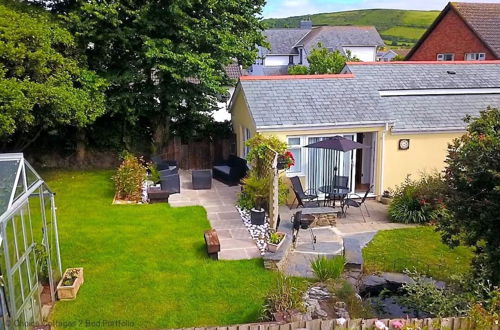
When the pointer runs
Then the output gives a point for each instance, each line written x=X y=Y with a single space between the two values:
x=335 y=192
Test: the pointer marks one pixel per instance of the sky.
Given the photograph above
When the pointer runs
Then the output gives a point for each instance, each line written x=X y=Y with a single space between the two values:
x=286 y=8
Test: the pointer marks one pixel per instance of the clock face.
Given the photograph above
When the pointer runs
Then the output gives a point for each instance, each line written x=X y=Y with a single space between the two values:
x=404 y=144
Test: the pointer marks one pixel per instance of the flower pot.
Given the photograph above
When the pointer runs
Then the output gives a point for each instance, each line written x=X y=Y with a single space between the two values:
x=271 y=247
x=257 y=217
x=69 y=292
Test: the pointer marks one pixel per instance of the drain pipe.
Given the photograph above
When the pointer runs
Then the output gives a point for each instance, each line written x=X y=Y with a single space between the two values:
x=382 y=160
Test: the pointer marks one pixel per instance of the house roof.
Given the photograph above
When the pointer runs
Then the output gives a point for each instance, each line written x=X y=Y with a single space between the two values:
x=341 y=36
x=482 y=18
x=412 y=97
x=233 y=71
x=285 y=41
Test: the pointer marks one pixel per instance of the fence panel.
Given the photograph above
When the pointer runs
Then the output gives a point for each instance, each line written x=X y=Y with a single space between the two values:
x=199 y=154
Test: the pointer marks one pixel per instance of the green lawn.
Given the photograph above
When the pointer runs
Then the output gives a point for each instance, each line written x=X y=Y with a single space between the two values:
x=146 y=264
x=420 y=247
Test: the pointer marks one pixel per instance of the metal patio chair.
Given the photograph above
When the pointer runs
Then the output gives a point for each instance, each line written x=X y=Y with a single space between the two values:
x=350 y=202
x=303 y=198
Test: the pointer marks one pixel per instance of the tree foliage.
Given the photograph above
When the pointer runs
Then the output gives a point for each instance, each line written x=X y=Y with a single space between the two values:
x=323 y=61
x=42 y=82
x=164 y=59
x=473 y=179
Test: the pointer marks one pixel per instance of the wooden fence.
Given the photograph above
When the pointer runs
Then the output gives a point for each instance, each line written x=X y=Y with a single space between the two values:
x=452 y=323
x=199 y=154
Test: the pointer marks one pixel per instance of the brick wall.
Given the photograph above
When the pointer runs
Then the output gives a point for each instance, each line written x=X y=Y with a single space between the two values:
x=451 y=35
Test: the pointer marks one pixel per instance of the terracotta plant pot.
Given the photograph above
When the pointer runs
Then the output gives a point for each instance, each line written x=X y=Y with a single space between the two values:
x=69 y=292
x=271 y=247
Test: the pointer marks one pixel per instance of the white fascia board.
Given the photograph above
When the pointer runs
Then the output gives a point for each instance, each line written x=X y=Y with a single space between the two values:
x=301 y=127
x=440 y=91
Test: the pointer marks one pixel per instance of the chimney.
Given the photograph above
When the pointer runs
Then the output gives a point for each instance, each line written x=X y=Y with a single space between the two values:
x=306 y=24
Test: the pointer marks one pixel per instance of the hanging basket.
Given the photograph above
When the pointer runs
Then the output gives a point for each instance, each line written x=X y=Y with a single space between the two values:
x=282 y=164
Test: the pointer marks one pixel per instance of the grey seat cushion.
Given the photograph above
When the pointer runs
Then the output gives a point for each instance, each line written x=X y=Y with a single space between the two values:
x=223 y=168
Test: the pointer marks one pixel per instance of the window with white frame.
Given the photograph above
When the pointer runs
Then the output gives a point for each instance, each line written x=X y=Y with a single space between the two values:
x=294 y=146
x=475 y=56
x=446 y=57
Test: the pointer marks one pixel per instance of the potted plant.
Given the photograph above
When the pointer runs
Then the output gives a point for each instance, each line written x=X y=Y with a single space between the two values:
x=275 y=241
x=70 y=283
x=386 y=197
x=257 y=189
x=285 y=161
x=43 y=272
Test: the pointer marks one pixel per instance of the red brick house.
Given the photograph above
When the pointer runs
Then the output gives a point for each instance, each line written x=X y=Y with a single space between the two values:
x=462 y=32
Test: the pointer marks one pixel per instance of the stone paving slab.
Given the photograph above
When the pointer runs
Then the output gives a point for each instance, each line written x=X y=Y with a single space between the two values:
x=219 y=202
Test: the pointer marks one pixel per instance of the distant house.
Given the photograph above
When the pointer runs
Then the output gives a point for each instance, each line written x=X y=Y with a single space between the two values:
x=462 y=32
x=292 y=46
x=405 y=112
x=386 y=56
x=391 y=54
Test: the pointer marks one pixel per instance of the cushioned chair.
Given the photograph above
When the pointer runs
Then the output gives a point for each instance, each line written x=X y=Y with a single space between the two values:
x=174 y=170
x=232 y=170
x=162 y=164
x=201 y=179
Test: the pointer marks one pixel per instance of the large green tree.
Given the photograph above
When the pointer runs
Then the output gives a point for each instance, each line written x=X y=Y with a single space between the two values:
x=164 y=59
x=42 y=83
x=473 y=178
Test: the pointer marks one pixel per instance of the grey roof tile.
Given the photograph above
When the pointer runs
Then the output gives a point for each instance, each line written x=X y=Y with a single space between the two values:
x=288 y=102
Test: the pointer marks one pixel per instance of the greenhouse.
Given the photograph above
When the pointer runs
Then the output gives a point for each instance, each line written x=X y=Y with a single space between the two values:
x=30 y=261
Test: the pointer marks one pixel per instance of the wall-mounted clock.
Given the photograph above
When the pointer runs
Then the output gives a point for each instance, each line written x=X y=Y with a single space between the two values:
x=404 y=144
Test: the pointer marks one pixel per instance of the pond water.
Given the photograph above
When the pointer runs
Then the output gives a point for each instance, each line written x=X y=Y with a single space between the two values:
x=385 y=301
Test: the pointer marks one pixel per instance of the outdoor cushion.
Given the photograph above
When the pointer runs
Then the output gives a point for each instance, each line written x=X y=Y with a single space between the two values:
x=223 y=169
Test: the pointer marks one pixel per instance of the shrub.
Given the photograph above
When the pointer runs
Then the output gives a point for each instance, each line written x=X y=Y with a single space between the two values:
x=418 y=201
x=129 y=178
x=325 y=268
x=284 y=297
x=424 y=295
x=298 y=70
x=154 y=174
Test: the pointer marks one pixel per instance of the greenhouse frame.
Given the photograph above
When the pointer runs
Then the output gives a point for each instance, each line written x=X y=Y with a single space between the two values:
x=30 y=260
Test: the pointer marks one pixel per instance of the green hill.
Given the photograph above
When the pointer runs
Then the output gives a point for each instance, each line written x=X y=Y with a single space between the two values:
x=399 y=28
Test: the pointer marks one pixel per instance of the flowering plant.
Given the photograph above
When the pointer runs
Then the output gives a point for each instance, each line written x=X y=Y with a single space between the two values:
x=286 y=160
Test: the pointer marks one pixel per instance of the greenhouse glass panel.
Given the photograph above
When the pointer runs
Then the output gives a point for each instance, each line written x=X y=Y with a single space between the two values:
x=29 y=247
x=8 y=172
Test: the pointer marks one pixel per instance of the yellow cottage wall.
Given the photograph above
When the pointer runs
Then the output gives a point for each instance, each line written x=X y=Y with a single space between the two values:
x=426 y=154
x=241 y=119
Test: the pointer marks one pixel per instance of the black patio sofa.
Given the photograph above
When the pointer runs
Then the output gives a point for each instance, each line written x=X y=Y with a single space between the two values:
x=231 y=170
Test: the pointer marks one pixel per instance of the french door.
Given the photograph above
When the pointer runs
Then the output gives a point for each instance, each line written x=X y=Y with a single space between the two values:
x=324 y=166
